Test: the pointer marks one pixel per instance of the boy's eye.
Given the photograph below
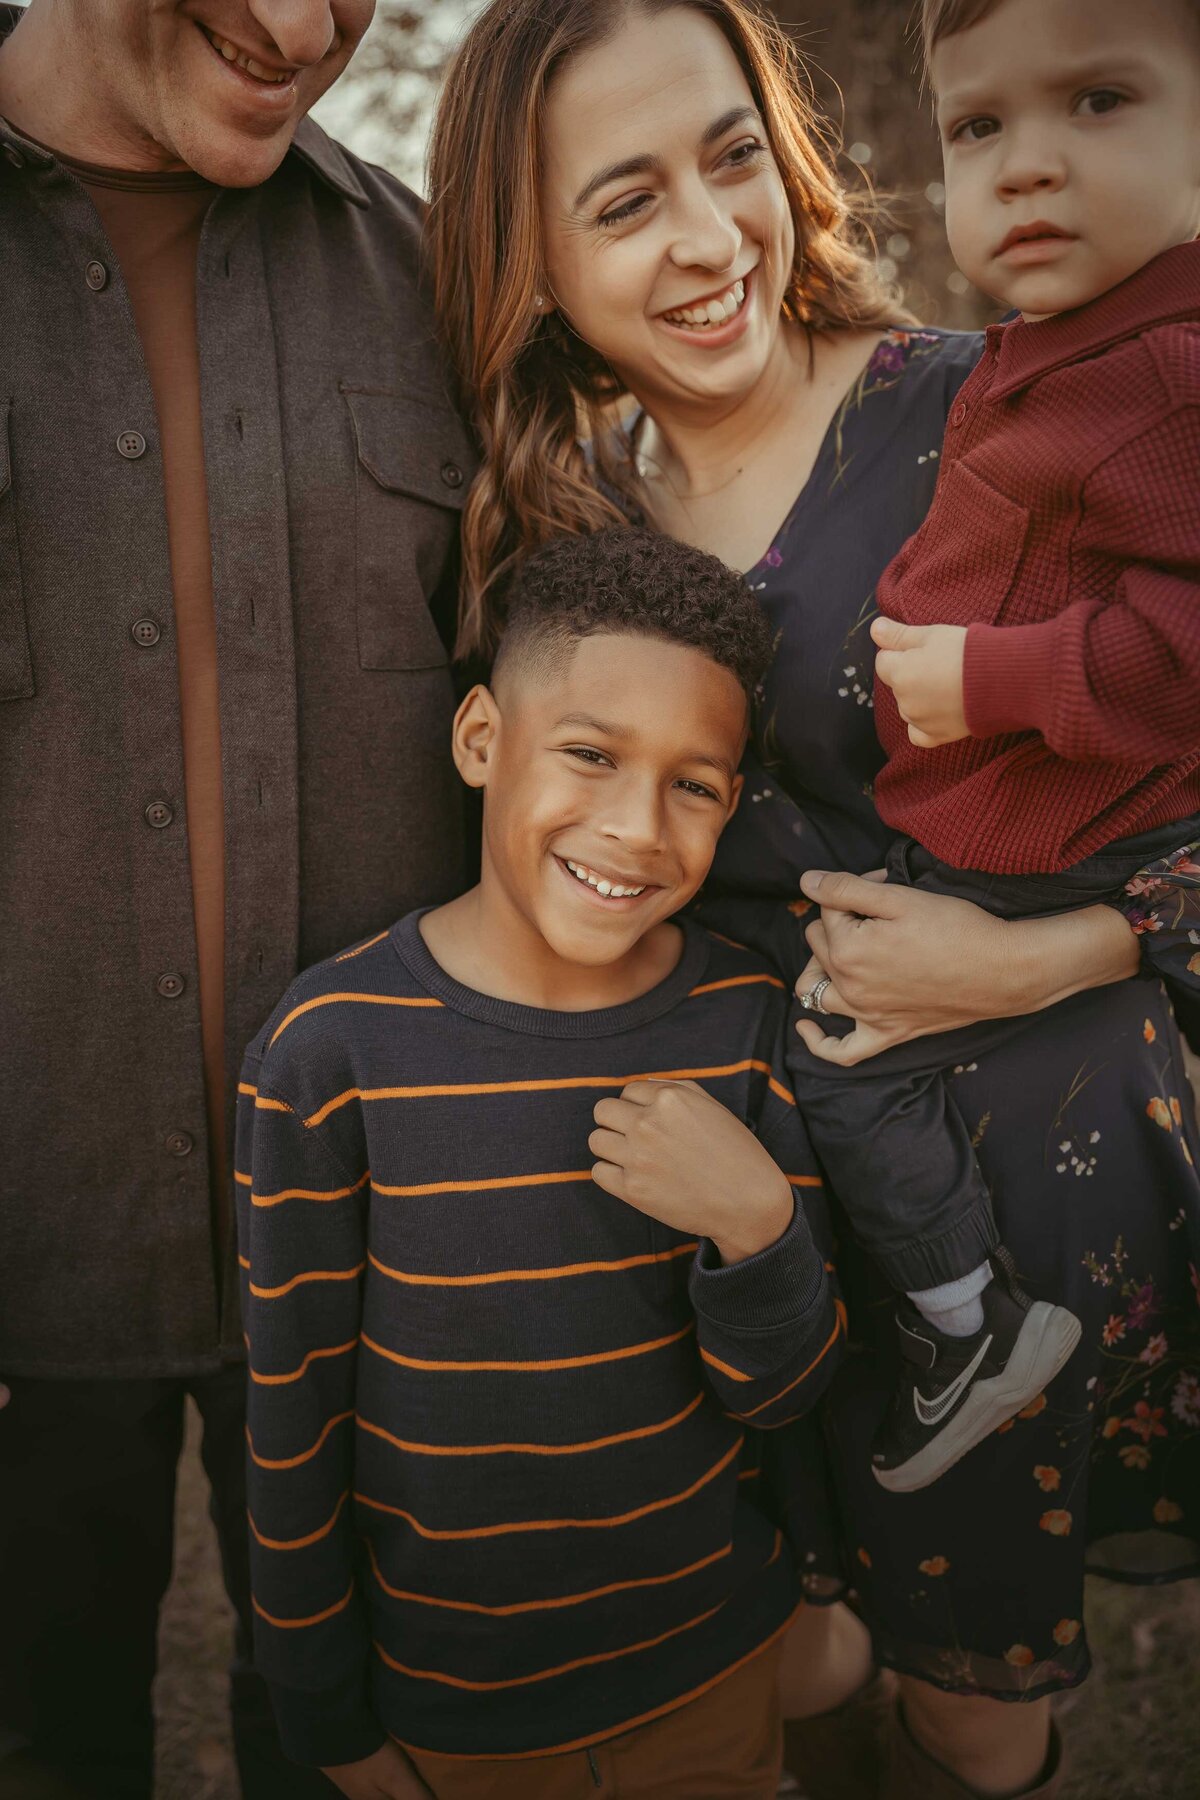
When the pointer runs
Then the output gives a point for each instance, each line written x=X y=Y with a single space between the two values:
x=973 y=131
x=584 y=753
x=1099 y=100
x=696 y=787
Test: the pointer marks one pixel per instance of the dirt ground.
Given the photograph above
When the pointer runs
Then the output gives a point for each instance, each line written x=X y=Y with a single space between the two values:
x=1133 y=1728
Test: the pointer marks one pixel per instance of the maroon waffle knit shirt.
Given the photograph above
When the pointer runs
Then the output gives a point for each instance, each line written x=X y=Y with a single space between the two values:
x=1065 y=534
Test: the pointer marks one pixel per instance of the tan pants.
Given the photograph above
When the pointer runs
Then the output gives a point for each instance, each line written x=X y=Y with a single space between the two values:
x=725 y=1745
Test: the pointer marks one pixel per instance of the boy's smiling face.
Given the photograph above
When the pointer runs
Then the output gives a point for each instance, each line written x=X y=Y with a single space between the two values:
x=1071 y=137
x=617 y=767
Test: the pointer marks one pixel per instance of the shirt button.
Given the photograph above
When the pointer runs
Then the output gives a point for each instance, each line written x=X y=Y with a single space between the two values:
x=14 y=157
x=131 y=444
x=159 y=815
x=170 y=986
x=451 y=474
x=959 y=413
x=145 y=632
x=96 y=276
x=180 y=1143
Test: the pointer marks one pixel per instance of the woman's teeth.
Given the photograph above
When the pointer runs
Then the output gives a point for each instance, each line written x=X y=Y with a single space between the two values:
x=602 y=886
x=710 y=312
x=232 y=54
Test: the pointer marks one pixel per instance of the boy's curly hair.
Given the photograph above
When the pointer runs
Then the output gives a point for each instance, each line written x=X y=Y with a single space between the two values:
x=626 y=579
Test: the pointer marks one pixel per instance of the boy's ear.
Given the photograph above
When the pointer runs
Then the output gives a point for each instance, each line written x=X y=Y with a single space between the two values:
x=739 y=782
x=474 y=734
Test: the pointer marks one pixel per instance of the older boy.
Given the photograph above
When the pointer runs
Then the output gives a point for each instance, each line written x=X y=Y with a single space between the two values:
x=1040 y=637
x=521 y=1257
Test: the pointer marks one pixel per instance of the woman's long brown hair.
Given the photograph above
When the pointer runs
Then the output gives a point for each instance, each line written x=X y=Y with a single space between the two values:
x=538 y=396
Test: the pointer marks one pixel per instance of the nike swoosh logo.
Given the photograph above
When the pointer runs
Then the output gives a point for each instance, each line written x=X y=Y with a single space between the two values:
x=929 y=1412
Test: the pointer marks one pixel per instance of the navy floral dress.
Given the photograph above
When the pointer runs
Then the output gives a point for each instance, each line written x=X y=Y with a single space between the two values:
x=1084 y=1126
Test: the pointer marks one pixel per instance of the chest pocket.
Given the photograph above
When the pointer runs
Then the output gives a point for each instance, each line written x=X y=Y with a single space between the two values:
x=970 y=547
x=16 y=669
x=413 y=468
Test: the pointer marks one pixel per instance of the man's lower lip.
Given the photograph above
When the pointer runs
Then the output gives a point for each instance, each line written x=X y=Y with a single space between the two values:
x=714 y=337
x=1033 y=250
x=274 y=93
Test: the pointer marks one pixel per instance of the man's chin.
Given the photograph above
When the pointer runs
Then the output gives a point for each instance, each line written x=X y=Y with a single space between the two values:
x=231 y=158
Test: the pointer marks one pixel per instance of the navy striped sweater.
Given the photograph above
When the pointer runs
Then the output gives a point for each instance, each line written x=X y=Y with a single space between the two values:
x=499 y=1421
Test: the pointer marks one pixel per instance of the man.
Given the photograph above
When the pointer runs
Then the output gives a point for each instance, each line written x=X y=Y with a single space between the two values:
x=229 y=489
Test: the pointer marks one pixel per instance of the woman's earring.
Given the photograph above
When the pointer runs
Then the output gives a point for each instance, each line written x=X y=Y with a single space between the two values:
x=539 y=300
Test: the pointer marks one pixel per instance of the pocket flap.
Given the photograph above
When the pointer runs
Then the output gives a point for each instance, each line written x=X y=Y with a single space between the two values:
x=411 y=446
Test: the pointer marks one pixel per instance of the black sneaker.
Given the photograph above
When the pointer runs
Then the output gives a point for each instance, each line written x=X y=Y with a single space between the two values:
x=953 y=1392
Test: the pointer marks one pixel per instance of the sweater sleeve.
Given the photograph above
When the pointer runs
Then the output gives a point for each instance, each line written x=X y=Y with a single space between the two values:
x=301 y=1242
x=771 y=1330
x=1112 y=680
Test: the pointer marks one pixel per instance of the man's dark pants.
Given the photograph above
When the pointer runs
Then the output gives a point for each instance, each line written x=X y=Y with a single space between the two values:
x=87 y=1501
x=897 y=1151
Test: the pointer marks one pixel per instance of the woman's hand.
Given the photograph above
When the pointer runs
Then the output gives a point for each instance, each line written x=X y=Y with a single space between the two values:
x=904 y=963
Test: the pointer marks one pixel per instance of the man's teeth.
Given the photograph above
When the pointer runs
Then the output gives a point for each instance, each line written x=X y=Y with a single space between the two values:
x=232 y=54
x=710 y=312
x=602 y=886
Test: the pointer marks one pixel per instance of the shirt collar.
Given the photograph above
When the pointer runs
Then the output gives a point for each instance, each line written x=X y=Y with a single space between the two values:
x=1167 y=288
x=320 y=153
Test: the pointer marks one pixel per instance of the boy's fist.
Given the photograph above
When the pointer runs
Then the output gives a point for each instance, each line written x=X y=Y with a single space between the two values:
x=923 y=666
x=387 y=1775
x=672 y=1151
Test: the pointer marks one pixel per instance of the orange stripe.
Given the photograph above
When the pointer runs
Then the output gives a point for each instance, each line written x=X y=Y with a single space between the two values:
x=309 y=1275
x=300 y=1543
x=307 y=1006
x=245 y=1088
x=749 y=1474
x=293 y=1462
x=242 y=1180
x=813 y=1181
x=722 y=939
x=243 y=1262
x=555 y=1274
x=725 y=1368
x=603 y=1443
x=526 y=1606
x=579 y=1662
x=444 y=1091
x=309 y=1193
x=778 y=1088
x=732 y=981
x=823 y=1351
x=774 y=1556
x=601 y=1524
x=480 y=1187
x=563 y=1362
x=348 y=955
x=295 y=1374
x=265 y=1105
x=599 y=1737
x=316 y=1619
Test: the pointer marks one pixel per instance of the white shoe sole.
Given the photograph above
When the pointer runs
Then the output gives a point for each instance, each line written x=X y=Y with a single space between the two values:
x=1045 y=1342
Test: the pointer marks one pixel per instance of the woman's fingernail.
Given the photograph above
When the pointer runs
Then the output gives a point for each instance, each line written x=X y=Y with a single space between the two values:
x=811 y=880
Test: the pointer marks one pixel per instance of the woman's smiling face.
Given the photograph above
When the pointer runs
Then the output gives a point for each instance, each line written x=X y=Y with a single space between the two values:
x=667 y=233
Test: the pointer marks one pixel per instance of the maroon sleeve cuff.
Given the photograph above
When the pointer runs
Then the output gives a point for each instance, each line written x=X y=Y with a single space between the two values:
x=1008 y=677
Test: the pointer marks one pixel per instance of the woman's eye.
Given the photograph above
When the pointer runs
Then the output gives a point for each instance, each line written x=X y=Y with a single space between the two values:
x=1099 y=100
x=744 y=156
x=973 y=131
x=628 y=209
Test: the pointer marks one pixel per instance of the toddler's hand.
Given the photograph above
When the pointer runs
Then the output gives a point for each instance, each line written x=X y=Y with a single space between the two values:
x=923 y=666
x=673 y=1152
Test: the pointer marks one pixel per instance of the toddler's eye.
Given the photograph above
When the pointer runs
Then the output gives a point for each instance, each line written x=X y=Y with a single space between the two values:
x=1100 y=100
x=973 y=131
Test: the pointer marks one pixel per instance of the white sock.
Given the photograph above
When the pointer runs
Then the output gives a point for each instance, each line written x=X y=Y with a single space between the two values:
x=955 y=1307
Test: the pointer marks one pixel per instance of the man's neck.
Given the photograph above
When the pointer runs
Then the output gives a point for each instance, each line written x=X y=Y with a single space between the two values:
x=53 y=98
x=485 y=943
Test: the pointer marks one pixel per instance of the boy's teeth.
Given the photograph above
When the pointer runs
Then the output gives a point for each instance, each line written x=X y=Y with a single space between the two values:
x=710 y=312
x=232 y=54
x=608 y=889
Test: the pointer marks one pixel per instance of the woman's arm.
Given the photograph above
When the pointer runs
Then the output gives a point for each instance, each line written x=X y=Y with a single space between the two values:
x=904 y=963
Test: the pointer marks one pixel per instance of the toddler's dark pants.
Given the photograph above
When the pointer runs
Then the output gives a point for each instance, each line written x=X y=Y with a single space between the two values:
x=896 y=1149
x=87 y=1500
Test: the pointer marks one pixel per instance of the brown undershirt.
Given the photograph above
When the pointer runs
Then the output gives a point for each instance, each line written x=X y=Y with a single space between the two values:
x=153 y=223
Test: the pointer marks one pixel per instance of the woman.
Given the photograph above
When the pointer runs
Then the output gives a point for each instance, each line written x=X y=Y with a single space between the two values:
x=632 y=208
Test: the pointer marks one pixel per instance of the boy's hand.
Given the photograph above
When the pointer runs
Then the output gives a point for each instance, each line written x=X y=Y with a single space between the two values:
x=923 y=666
x=673 y=1152
x=387 y=1775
